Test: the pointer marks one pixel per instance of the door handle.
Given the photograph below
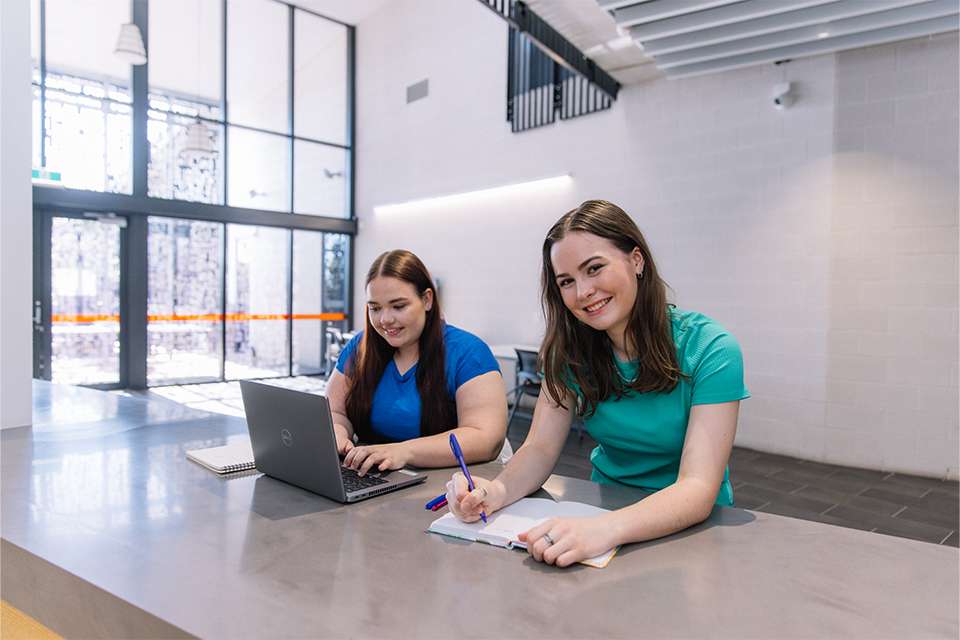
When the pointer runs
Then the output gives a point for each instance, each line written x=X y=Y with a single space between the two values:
x=37 y=314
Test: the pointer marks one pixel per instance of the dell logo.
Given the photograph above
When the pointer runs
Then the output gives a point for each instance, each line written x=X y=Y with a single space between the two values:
x=286 y=437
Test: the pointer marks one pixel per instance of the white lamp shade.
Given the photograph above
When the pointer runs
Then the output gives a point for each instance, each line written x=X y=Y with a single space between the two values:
x=198 y=139
x=130 y=45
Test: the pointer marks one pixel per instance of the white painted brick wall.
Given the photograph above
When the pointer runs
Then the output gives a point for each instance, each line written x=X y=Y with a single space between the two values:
x=893 y=279
x=817 y=235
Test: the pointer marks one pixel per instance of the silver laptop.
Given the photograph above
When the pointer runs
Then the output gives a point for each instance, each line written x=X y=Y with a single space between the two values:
x=293 y=441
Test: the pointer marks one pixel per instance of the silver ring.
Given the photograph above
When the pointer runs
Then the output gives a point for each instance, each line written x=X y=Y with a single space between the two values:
x=549 y=540
x=484 y=489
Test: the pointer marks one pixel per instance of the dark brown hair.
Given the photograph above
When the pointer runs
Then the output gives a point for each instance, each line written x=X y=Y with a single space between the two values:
x=438 y=411
x=573 y=352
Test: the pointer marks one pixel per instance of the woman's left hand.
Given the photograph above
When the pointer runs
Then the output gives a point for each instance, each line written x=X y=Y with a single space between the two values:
x=385 y=456
x=564 y=541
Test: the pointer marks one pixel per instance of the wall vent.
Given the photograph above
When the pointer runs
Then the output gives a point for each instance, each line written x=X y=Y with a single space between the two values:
x=418 y=90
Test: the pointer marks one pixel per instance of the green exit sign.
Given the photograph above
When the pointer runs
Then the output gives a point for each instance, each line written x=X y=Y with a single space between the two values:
x=45 y=175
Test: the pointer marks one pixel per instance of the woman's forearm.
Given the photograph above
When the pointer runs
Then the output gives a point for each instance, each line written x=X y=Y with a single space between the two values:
x=341 y=421
x=673 y=508
x=434 y=451
x=526 y=472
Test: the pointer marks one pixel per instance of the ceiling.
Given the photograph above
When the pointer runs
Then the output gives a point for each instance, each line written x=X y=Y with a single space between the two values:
x=592 y=30
x=639 y=40
x=693 y=37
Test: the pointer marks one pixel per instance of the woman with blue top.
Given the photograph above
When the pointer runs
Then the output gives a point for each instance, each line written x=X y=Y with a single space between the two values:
x=410 y=377
x=658 y=388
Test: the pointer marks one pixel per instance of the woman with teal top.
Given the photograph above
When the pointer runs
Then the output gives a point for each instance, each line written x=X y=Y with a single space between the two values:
x=658 y=388
x=409 y=377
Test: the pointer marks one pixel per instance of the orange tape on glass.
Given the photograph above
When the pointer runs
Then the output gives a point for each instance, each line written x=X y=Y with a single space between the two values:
x=62 y=318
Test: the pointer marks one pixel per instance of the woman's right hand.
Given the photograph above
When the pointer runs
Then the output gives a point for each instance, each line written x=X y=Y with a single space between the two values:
x=487 y=496
x=344 y=441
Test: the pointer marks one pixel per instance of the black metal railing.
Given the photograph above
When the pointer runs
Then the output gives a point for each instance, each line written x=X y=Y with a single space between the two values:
x=546 y=74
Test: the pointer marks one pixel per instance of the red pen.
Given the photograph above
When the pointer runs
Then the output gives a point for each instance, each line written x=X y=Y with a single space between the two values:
x=439 y=505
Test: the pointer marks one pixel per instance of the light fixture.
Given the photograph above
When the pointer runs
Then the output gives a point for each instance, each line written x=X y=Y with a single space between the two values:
x=130 y=45
x=823 y=34
x=512 y=189
x=198 y=138
x=620 y=43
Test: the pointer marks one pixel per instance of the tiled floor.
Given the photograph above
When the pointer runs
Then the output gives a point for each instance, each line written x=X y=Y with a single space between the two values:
x=900 y=505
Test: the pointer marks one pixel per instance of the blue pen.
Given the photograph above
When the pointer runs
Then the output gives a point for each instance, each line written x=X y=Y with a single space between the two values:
x=458 y=454
x=430 y=505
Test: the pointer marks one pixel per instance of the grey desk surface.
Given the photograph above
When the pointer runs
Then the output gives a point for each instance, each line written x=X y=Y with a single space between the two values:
x=122 y=509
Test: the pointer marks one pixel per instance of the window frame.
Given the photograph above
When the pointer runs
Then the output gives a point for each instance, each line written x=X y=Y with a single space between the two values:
x=138 y=206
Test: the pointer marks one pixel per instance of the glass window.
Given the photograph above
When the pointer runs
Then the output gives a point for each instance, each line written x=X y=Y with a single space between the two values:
x=85 y=297
x=336 y=263
x=320 y=78
x=81 y=36
x=89 y=127
x=186 y=158
x=320 y=179
x=257 y=310
x=184 y=300
x=258 y=170
x=186 y=42
x=307 y=302
x=258 y=62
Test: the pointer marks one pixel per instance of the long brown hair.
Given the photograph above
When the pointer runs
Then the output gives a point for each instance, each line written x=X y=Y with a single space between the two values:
x=573 y=352
x=438 y=411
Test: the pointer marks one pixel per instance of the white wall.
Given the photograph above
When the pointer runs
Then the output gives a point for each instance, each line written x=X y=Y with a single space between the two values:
x=752 y=215
x=15 y=216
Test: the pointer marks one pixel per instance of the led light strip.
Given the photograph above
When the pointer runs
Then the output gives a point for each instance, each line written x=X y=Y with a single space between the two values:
x=514 y=187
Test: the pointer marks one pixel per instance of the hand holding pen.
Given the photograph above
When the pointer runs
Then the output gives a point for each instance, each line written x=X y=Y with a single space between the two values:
x=488 y=496
x=458 y=454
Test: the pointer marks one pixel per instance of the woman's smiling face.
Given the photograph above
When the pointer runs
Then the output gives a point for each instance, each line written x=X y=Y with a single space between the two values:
x=597 y=281
x=397 y=312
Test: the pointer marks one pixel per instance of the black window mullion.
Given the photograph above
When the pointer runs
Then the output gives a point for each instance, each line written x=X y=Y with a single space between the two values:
x=133 y=303
x=223 y=301
x=139 y=94
x=323 y=304
x=290 y=302
x=290 y=116
x=351 y=120
x=43 y=298
x=290 y=198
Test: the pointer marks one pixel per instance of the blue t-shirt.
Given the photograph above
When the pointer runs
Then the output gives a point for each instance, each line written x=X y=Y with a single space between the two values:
x=395 y=413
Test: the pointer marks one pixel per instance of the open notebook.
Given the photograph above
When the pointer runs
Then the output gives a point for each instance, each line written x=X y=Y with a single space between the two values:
x=504 y=526
x=236 y=456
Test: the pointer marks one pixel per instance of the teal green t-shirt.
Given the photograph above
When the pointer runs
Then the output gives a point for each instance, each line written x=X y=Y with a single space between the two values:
x=640 y=436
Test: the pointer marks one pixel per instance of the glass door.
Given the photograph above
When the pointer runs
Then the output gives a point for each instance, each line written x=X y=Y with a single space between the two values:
x=77 y=301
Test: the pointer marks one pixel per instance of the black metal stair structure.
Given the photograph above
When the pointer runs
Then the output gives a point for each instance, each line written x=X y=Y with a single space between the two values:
x=547 y=76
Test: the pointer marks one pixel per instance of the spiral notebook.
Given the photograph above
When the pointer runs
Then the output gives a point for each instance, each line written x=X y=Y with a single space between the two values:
x=503 y=527
x=236 y=456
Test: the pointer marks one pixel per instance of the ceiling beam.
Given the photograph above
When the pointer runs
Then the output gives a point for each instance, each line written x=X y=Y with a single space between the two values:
x=719 y=16
x=821 y=46
x=771 y=24
x=869 y=22
x=660 y=9
x=610 y=5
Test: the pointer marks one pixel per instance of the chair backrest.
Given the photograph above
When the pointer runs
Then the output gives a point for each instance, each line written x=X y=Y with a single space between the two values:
x=526 y=360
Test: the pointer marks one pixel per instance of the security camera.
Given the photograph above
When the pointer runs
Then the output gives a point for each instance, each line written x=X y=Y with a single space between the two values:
x=783 y=95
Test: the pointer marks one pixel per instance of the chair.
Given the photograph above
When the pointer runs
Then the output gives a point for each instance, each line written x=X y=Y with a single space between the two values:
x=336 y=341
x=527 y=380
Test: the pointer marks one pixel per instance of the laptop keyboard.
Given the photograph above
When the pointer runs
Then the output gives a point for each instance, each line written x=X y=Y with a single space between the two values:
x=353 y=482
